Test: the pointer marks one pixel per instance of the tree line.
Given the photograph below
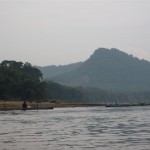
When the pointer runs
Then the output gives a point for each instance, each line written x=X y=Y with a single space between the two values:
x=20 y=81
x=92 y=95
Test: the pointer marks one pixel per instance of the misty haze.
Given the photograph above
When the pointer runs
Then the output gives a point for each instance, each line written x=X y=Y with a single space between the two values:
x=74 y=74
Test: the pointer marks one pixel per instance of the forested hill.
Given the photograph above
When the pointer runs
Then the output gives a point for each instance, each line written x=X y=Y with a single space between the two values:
x=109 y=69
x=22 y=81
x=51 y=71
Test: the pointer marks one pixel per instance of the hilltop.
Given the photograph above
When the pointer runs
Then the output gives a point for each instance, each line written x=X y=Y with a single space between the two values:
x=109 y=69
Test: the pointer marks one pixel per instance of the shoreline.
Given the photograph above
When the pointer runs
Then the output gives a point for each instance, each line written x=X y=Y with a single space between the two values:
x=17 y=105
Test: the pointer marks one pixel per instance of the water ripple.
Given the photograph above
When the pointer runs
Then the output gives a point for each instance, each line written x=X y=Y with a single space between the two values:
x=96 y=128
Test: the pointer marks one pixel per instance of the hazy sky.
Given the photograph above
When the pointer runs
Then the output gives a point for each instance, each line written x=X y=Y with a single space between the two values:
x=53 y=32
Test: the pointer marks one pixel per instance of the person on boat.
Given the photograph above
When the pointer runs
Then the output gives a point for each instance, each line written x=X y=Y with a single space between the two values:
x=24 y=105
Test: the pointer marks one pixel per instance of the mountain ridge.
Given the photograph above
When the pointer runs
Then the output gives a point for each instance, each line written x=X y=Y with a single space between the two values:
x=109 y=69
x=53 y=70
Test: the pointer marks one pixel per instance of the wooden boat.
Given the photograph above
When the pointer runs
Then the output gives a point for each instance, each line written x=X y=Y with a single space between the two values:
x=118 y=105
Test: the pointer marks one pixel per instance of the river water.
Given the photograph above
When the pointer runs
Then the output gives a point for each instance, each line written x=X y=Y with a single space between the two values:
x=93 y=128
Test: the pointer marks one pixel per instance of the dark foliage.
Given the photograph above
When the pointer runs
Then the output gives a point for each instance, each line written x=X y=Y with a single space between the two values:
x=64 y=93
x=20 y=81
x=94 y=95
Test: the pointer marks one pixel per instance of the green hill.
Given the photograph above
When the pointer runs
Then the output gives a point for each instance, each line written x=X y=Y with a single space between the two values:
x=109 y=69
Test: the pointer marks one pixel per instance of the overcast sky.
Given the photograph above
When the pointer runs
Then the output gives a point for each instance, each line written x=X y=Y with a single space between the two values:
x=53 y=32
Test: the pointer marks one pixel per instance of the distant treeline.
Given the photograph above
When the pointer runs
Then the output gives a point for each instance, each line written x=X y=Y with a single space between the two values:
x=94 y=95
x=22 y=81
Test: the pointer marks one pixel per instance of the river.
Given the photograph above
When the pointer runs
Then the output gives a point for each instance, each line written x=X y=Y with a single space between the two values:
x=92 y=128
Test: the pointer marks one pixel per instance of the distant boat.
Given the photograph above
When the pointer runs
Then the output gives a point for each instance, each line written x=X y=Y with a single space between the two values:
x=118 y=105
x=125 y=105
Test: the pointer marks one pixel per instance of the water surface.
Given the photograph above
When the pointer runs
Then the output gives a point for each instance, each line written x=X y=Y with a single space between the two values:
x=95 y=128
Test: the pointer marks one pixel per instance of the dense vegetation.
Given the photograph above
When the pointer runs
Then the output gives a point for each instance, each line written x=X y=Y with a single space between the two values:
x=108 y=69
x=59 y=92
x=20 y=81
x=94 y=95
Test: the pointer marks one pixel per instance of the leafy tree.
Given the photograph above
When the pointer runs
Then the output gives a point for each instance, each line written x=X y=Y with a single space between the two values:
x=20 y=81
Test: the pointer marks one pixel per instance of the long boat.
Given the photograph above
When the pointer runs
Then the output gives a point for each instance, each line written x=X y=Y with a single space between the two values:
x=118 y=105
x=125 y=105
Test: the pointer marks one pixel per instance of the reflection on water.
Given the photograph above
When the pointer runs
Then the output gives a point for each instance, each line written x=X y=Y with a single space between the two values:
x=97 y=128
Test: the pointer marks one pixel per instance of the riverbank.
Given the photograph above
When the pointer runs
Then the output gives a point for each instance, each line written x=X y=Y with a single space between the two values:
x=17 y=105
